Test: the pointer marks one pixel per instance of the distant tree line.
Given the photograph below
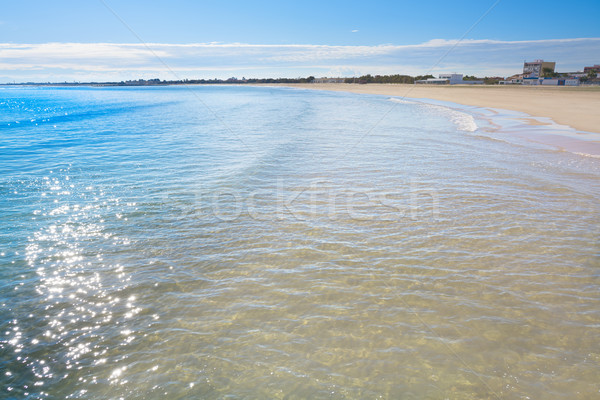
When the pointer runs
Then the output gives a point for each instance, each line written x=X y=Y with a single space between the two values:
x=149 y=82
x=386 y=79
x=487 y=80
x=364 y=79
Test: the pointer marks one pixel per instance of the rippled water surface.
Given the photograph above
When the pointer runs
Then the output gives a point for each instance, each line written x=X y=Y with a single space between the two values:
x=237 y=242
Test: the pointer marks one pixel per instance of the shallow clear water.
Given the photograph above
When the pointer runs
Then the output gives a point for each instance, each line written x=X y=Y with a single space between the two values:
x=237 y=242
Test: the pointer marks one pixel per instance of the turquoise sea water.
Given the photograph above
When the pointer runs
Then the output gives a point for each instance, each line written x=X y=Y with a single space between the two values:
x=239 y=242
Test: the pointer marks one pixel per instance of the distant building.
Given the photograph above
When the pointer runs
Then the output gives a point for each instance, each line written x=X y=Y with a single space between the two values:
x=512 y=80
x=551 y=81
x=530 y=81
x=574 y=74
x=432 y=81
x=453 y=79
x=594 y=68
x=536 y=68
x=560 y=82
x=445 y=79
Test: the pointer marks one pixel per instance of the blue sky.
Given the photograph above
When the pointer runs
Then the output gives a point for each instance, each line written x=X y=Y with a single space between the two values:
x=100 y=39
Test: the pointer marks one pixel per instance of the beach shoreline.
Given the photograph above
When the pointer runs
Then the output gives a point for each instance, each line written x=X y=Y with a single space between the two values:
x=576 y=107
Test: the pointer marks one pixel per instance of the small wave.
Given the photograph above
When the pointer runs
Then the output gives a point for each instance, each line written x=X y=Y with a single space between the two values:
x=463 y=121
x=401 y=101
x=490 y=138
x=587 y=155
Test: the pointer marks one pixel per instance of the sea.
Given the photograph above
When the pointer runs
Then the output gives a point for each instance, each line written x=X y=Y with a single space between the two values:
x=236 y=242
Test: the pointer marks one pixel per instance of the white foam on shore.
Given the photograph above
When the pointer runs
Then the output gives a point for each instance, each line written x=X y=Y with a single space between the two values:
x=463 y=121
x=587 y=155
x=507 y=125
x=402 y=100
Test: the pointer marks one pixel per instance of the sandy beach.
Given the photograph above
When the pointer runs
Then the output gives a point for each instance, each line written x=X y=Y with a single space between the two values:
x=578 y=107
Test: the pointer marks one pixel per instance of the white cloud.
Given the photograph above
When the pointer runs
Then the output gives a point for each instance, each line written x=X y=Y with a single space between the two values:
x=115 y=61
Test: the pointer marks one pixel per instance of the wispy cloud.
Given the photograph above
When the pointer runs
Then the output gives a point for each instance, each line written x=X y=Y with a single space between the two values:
x=116 y=61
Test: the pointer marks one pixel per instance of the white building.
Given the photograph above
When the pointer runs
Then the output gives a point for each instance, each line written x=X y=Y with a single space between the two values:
x=453 y=79
x=432 y=81
x=560 y=82
x=576 y=74
x=551 y=81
